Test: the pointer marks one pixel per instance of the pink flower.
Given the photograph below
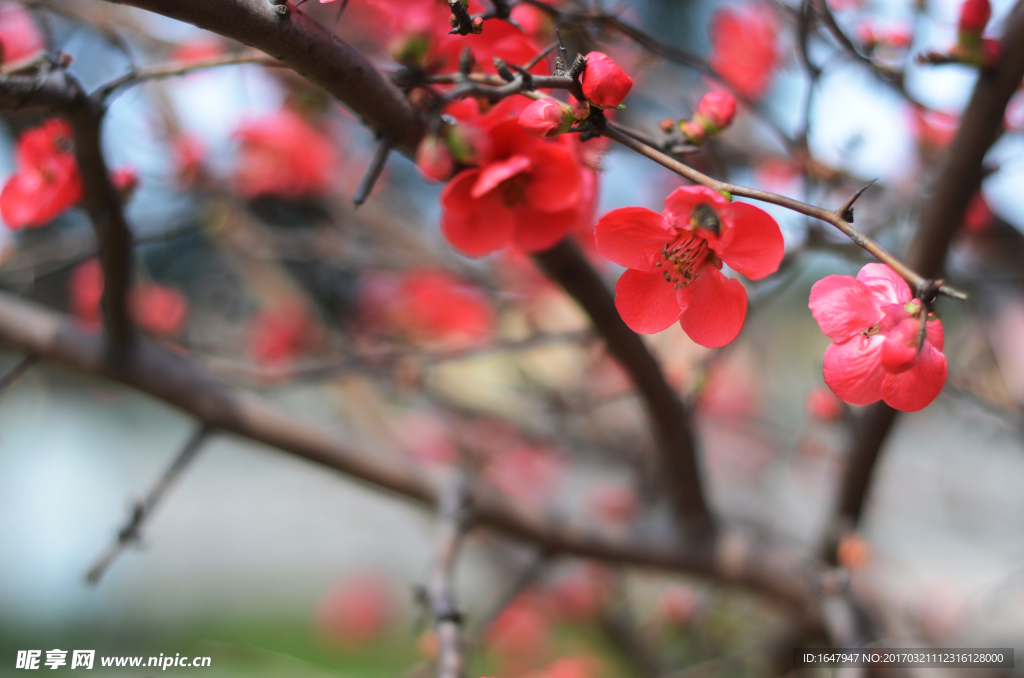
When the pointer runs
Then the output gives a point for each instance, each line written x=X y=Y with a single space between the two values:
x=187 y=152
x=520 y=633
x=978 y=216
x=743 y=49
x=581 y=594
x=279 y=333
x=714 y=113
x=546 y=118
x=85 y=287
x=47 y=181
x=20 y=39
x=282 y=155
x=674 y=260
x=677 y=604
x=873 y=321
x=605 y=84
x=125 y=180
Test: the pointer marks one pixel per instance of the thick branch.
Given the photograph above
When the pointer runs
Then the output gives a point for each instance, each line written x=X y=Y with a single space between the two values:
x=565 y=264
x=735 y=556
x=301 y=43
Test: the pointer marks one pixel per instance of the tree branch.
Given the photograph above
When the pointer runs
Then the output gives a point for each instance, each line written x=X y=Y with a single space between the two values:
x=453 y=521
x=301 y=43
x=565 y=264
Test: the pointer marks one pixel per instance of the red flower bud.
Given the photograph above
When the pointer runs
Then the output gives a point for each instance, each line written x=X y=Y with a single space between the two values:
x=605 y=84
x=715 y=111
x=580 y=110
x=434 y=159
x=974 y=16
x=546 y=118
x=125 y=180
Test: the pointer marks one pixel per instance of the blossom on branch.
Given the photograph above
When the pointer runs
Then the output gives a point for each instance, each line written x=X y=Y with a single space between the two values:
x=546 y=118
x=20 y=39
x=714 y=113
x=743 y=48
x=604 y=84
x=530 y=193
x=874 y=321
x=282 y=155
x=47 y=181
x=674 y=260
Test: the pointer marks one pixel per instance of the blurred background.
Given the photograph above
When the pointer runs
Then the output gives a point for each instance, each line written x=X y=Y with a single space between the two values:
x=272 y=566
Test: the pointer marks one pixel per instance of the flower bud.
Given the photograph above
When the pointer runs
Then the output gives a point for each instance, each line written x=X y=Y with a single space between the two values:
x=974 y=16
x=693 y=131
x=580 y=110
x=605 y=84
x=546 y=118
x=715 y=111
x=468 y=145
x=434 y=159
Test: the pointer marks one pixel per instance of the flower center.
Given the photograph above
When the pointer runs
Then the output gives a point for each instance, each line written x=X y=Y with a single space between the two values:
x=513 y=189
x=894 y=315
x=704 y=216
x=686 y=256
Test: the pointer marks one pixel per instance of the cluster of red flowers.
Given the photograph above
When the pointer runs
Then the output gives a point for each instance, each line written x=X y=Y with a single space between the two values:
x=47 y=181
x=159 y=310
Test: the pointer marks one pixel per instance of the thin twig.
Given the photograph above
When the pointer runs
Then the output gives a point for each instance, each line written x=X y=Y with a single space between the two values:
x=172 y=70
x=17 y=372
x=373 y=170
x=143 y=509
x=453 y=521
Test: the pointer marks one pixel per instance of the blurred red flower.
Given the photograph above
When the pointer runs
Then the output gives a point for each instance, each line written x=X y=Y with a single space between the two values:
x=279 y=333
x=677 y=604
x=674 y=260
x=47 y=181
x=357 y=610
x=159 y=310
x=823 y=404
x=873 y=322
x=283 y=155
x=743 y=48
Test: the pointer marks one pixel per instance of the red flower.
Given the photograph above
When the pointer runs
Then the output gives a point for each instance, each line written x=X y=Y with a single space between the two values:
x=974 y=16
x=677 y=604
x=674 y=260
x=159 y=310
x=188 y=155
x=605 y=84
x=125 y=180
x=873 y=322
x=529 y=194
x=525 y=472
x=357 y=610
x=284 y=156
x=978 y=216
x=425 y=305
x=47 y=181
x=20 y=39
x=279 y=333
x=714 y=113
x=546 y=118
x=743 y=47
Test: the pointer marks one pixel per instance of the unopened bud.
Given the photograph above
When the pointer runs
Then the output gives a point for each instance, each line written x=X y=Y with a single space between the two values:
x=468 y=145
x=666 y=125
x=605 y=84
x=546 y=118
x=434 y=159
x=580 y=110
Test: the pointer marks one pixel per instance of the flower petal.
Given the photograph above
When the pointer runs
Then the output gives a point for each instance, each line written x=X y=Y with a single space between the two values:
x=716 y=309
x=843 y=307
x=752 y=242
x=680 y=203
x=475 y=226
x=633 y=237
x=915 y=388
x=885 y=283
x=536 y=230
x=646 y=302
x=497 y=172
x=556 y=183
x=853 y=369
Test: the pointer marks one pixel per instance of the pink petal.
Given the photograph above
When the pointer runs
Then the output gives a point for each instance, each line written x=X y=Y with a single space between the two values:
x=853 y=369
x=885 y=283
x=752 y=243
x=556 y=183
x=633 y=237
x=914 y=389
x=646 y=302
x=716 y=309
x=497 y=172
x=934 y=334
x=843 y=307
x=475 y=226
